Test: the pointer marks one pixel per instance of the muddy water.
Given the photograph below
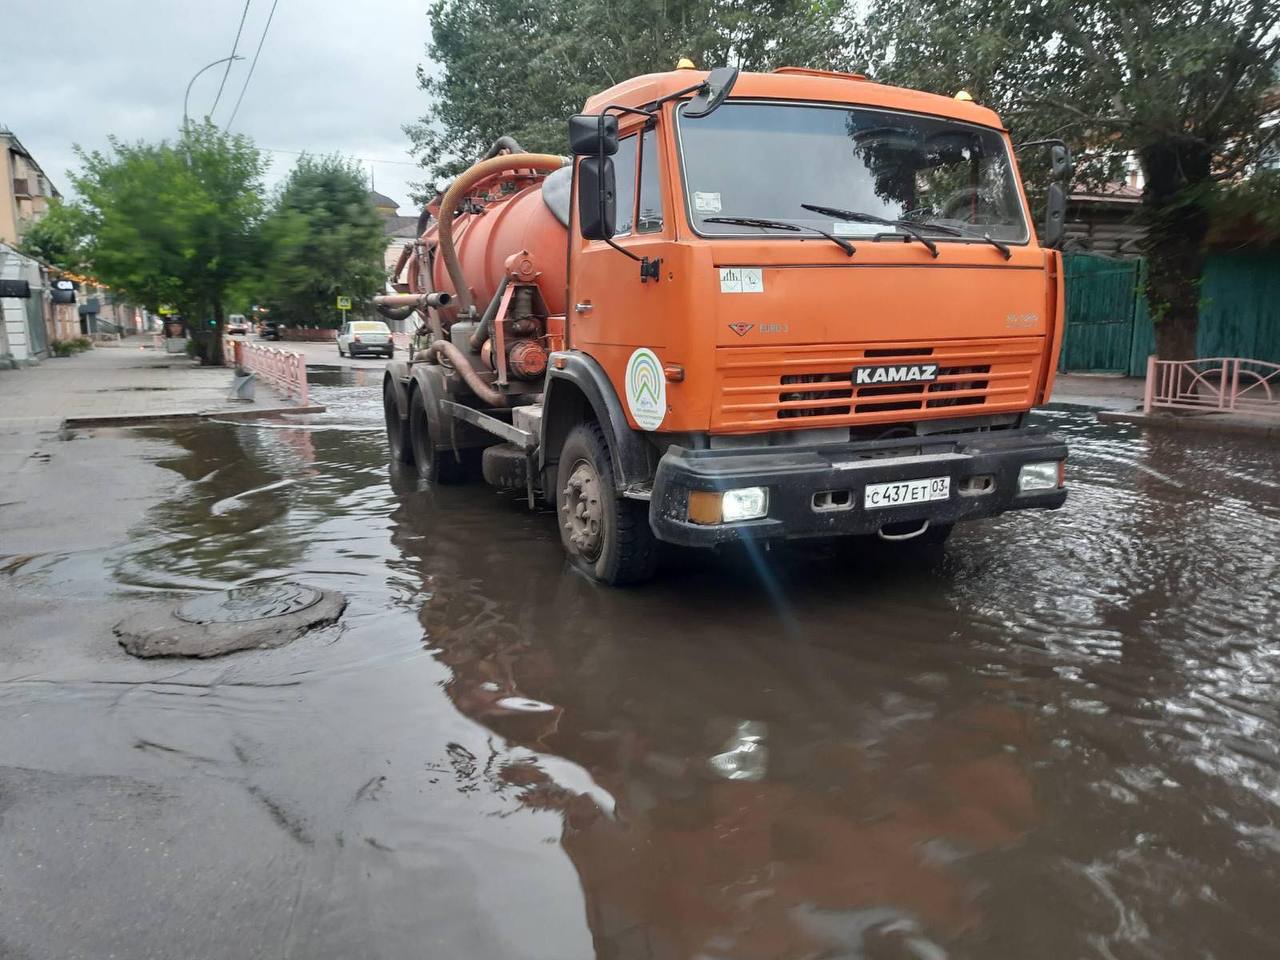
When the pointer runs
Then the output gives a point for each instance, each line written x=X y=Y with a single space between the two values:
x=1056 y=738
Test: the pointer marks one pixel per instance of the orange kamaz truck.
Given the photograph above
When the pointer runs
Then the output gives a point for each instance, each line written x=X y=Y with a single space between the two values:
x=751 y=306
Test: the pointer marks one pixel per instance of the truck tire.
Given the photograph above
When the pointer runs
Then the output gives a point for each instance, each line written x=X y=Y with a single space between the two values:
x=606 y=536
x=439 y=466
x=397 y=426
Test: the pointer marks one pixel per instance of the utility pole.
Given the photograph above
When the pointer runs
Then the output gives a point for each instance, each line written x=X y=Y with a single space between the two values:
x=187 y=96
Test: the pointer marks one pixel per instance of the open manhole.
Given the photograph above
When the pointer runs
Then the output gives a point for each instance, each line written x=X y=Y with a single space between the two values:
x=242 y=604
x=261 y=615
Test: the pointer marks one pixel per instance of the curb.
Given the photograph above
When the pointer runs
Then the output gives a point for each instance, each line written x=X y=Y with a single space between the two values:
x=1202 y=423
x=145 y=418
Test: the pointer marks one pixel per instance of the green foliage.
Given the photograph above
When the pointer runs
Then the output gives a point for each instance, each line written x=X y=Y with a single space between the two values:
x=324 y=238
x=501 y=67
x=1180 y=84
x=59 y=237
x=175 y=222
x=1247 y=211
x=67 y=348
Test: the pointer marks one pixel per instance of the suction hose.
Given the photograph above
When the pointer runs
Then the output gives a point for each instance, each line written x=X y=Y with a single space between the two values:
x=468 y=373
x=459 y=189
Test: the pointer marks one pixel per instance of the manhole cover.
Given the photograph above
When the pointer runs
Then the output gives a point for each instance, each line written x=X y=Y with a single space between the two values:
x=242 y=604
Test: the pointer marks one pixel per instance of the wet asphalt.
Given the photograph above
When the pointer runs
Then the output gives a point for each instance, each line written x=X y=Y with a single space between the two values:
x=1056 y=738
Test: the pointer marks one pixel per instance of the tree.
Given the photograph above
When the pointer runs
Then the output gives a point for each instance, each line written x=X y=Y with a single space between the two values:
x=175 y=223
x=1180 y=84
x=59 y=237
x=325 y=238
x=509 y=68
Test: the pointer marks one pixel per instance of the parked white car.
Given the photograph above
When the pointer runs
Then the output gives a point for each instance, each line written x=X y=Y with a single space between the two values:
x=365 y=337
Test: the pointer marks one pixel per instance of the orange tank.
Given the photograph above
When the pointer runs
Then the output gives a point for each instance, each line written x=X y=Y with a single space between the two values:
x=530 y=222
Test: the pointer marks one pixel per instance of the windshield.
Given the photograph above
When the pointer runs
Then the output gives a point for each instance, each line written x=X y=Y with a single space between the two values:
x=766 y=159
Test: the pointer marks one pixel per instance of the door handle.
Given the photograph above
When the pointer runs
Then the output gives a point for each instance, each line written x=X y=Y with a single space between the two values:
x=586 y=306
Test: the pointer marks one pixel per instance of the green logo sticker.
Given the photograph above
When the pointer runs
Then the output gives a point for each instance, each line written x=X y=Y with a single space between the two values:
x=646 y=389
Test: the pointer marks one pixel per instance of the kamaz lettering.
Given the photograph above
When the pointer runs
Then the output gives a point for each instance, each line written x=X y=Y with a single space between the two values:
x=917 y=373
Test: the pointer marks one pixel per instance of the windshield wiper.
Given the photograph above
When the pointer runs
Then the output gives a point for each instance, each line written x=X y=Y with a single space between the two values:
x=908 y=225
x=844 y=245
x=855 y=216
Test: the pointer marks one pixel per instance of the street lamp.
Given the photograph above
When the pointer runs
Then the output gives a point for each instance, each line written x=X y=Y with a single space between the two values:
x=187 y=95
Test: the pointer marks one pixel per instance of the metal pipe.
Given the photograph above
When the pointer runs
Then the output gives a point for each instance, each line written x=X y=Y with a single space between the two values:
x=468 y=373
x=458 y=191
x=481 y=333
x=437 y=298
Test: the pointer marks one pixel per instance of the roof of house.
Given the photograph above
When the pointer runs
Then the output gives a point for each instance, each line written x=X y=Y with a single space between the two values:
x=16 y=145
x=382 y=200
x=406 y=227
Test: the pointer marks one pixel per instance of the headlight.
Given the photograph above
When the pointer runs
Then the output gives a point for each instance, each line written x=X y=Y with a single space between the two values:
x=744 y=503
x=1040 y=476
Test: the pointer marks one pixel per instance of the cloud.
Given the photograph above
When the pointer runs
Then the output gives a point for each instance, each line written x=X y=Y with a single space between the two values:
x=333 y=76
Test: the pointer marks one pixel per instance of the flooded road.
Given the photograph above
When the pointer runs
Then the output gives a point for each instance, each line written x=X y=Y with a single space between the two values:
x=1058 y=738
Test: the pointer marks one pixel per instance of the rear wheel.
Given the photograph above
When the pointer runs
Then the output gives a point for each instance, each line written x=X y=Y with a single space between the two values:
x=397 y=426
x=442 y=466
x=606 y=536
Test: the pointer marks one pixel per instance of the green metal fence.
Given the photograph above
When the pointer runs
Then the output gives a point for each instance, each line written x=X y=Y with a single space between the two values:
x=1109 y=326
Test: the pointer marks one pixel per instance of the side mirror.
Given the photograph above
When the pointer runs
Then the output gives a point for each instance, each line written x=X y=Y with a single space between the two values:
x=597 y=198
x=588 y=130
x=1060 y=165
x=1055 y=217
x=714 y=92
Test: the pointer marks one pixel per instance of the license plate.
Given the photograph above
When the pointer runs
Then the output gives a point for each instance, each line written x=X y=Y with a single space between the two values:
x=905 y=492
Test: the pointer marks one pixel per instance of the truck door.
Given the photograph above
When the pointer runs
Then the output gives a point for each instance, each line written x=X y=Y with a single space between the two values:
x=611 y=312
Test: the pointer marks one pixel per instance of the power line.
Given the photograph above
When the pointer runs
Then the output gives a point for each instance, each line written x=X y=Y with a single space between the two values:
x=249 y=76
x=298 y=153
x=234 y=43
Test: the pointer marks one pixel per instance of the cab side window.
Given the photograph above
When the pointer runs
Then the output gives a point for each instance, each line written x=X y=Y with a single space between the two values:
x=624 y=174
x=649 y=219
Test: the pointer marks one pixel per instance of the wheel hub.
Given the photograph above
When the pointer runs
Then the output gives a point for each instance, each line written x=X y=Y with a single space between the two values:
x=581 y=510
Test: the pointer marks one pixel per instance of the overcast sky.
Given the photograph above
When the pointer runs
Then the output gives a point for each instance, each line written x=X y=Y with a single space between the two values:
x=334 y=75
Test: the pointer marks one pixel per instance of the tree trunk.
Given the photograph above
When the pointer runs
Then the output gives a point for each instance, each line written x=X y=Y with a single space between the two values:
x=1177 y=222
x=214 y=353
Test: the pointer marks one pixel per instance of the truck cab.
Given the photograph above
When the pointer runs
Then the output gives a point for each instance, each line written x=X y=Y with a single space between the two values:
x=797 y=304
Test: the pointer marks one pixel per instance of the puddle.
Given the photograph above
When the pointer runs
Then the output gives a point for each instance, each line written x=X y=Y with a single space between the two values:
x=1054 y=739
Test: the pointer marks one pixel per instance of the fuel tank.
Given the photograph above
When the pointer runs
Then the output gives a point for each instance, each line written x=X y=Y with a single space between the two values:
x=533 y=221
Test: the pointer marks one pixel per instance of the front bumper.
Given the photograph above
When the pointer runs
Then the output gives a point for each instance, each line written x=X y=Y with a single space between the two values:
x=794 y=475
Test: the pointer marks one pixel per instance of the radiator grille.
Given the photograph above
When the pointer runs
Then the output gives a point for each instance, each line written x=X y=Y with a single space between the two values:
x=977 y=376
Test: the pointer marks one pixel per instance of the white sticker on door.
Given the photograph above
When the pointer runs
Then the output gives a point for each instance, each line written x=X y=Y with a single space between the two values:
x=646 y=389
x=741 y=280
x=706 y=202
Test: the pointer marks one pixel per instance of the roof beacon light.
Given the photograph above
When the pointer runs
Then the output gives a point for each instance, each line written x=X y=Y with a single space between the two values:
x=965 y=96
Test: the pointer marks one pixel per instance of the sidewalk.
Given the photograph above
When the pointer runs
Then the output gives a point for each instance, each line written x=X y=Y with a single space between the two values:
x=1100 y=391
x=122 y=384
x=1119 y=400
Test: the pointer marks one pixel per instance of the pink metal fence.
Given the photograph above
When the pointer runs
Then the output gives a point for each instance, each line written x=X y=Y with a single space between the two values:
x=283 y=369
x=1225 y=384
x=402 y=340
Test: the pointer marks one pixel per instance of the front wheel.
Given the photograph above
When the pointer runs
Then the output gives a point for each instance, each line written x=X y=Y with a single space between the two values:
x=606 y=536
x=340 y=350
x=398 y=442
x=442 y=466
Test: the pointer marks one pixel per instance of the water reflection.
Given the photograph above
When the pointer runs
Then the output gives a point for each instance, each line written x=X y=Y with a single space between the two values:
x=1054 y=739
